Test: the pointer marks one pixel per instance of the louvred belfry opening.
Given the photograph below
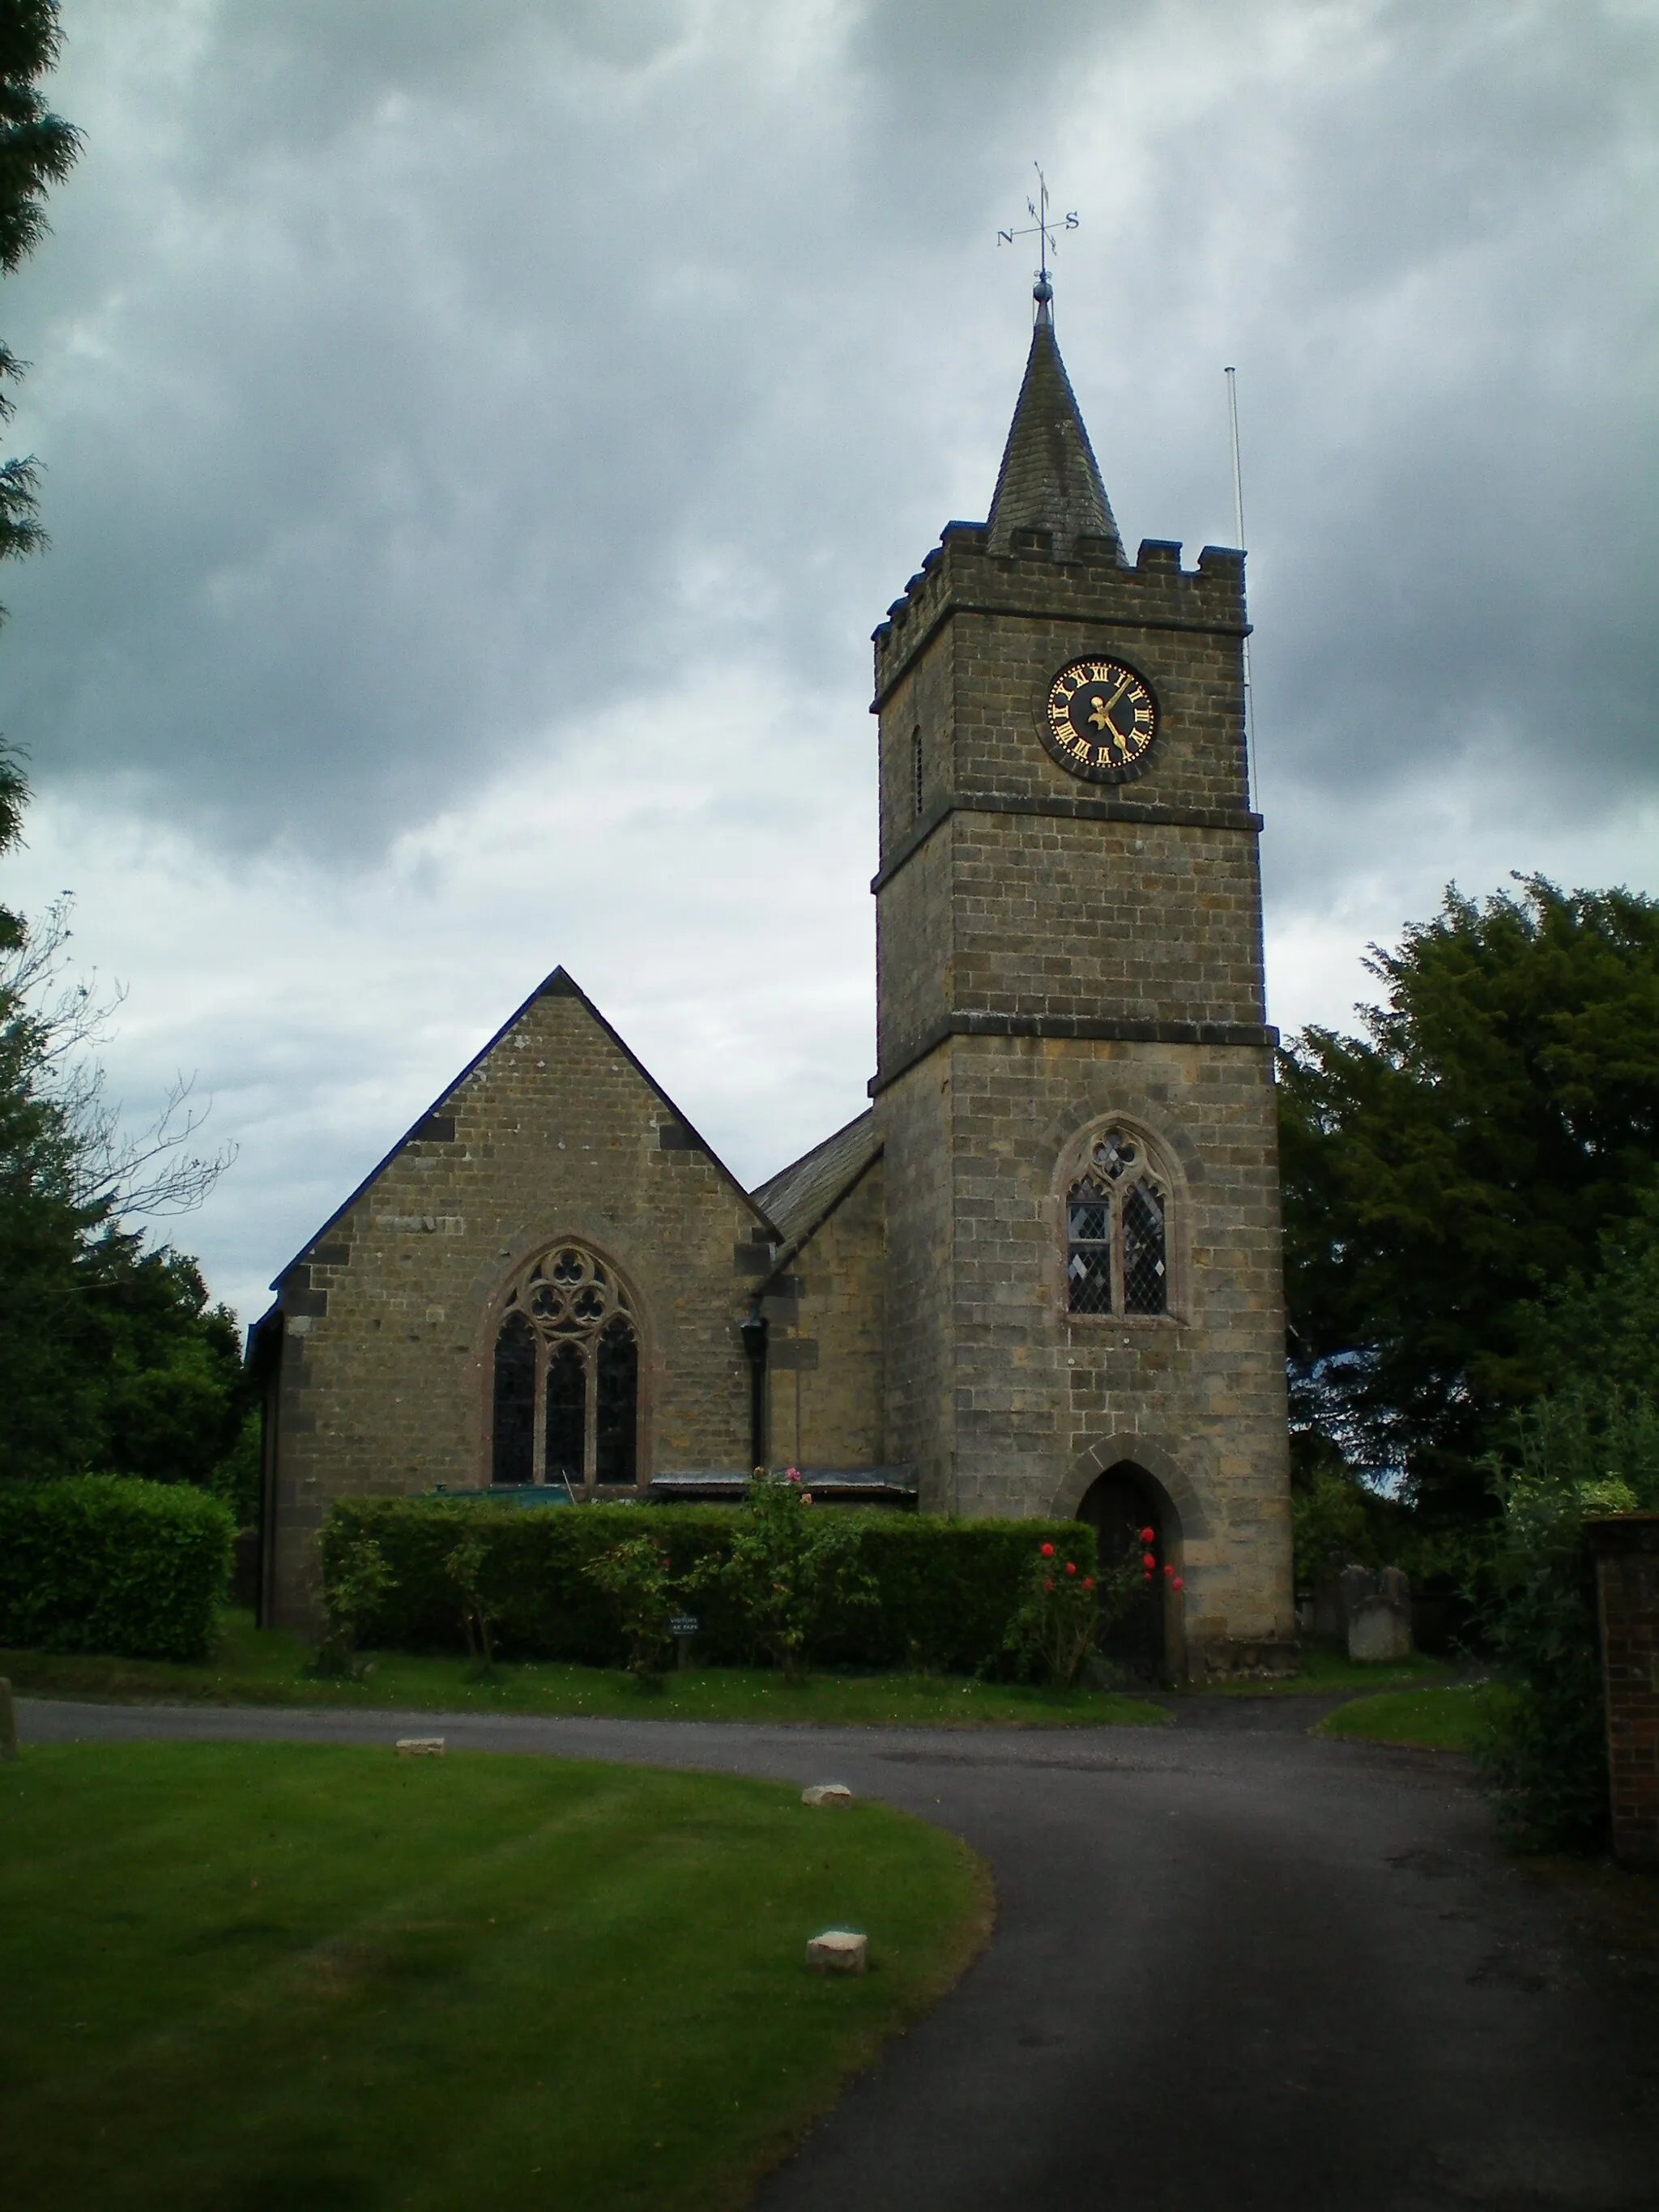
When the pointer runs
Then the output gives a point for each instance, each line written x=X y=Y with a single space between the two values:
x=567 y=1376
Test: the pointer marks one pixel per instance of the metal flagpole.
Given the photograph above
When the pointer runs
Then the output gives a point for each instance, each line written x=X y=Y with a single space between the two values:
x=1231 y=375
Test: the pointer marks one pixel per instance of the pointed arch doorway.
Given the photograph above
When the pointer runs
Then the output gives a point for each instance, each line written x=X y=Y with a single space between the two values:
x=1119 y=1505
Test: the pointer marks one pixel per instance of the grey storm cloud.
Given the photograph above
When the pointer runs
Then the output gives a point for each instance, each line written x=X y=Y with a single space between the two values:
x=434 y=394
x=412 y=378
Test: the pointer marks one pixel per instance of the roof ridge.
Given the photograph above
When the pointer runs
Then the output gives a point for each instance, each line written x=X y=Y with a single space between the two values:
x=560 y=984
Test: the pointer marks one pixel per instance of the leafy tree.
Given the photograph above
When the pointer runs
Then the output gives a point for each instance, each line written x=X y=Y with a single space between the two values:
x=37 y=149
x=1589 y=1443
x=1446 y=1169
x=110 y=1354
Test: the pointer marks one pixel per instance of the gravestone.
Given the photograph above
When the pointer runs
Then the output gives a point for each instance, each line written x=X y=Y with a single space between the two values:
x=1330 y=1616
x=1379 y=1614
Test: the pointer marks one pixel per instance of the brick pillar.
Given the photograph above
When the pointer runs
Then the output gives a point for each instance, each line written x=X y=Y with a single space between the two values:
x=1626 y=1548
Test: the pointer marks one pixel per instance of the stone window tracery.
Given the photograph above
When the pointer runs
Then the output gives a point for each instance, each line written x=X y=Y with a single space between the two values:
x=1117 y=1257
x=567 y=1376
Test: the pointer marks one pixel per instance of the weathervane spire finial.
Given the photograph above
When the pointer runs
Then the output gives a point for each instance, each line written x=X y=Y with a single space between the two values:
x=1041 y=227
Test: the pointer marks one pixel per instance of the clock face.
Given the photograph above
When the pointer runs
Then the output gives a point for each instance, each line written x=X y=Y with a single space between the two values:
x=1101 y=720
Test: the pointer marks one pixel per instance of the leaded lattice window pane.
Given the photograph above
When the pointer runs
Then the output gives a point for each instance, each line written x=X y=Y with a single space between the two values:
x=1116 y=1255
x=1145 y=1271
x=1089 y=1279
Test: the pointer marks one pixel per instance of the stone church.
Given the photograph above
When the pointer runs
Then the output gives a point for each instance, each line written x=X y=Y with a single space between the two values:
x=1040 y=1275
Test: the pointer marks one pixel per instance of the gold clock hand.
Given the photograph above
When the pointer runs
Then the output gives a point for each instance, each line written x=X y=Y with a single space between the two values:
x=1102 y=715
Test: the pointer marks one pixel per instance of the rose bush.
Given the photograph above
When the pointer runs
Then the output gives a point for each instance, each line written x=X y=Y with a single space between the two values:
x=791 y=1571
x=1063 y=1610
x=639 y=1574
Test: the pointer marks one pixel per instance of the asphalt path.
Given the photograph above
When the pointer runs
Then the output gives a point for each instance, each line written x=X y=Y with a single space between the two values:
x=1234 y=1967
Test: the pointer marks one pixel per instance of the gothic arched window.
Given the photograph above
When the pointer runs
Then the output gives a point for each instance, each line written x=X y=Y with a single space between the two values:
x=567 y=1376
x=1117 y=1258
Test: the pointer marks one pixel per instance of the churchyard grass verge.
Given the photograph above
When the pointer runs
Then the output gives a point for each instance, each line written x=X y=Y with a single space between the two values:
x=272 y=1666
x=1327 y=1667
x=1446 y=1719
x=312 y=1975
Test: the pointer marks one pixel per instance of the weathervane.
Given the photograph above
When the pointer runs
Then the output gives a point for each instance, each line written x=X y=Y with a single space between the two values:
x=1040 y=227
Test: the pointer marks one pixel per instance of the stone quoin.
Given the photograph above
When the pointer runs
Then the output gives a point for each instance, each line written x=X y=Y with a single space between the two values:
x=1040 y=1275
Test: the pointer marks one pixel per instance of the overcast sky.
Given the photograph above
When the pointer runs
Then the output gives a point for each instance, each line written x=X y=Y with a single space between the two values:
x=480 y=436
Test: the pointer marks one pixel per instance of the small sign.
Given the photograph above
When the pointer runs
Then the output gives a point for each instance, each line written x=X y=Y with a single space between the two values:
x=684 y=1623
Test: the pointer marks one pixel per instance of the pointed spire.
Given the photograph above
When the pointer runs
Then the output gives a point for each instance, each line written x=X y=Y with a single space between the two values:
x=1049 y=480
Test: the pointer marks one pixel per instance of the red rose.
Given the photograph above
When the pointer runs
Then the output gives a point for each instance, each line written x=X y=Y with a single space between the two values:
x=1149 y=1535
x=1169 y=1571
x=1088 y=1581
x=1070 y=1567
x=1047 y=1551
x=1177 y=1583
x=1147 y=1579
x=1148 y=1561
x=1048 y=1586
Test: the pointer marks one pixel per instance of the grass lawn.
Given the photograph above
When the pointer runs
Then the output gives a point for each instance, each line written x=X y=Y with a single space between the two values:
x=1435 y=1720
x=249 y=1978
x=1325 y=1666
x=267 y=1667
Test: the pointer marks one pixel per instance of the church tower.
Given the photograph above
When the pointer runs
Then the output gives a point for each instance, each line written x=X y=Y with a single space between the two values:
x=1084 y=1305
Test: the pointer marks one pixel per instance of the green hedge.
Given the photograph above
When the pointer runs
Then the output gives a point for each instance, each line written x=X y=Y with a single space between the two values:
x=108 y=1563
x=947 y=1588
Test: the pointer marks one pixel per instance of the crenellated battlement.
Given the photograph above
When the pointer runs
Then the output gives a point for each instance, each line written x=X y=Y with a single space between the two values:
x=1095 y=587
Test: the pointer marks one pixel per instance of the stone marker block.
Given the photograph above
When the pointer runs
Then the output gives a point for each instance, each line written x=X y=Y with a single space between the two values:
x=839 y=1951
x=420 y=1747
x=827 y=1793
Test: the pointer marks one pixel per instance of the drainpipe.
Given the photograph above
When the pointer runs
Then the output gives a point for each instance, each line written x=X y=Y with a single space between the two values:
x=752 y=1330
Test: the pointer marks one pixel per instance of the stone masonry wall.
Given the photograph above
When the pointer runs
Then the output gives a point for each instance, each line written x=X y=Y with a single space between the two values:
x=389 y=1318
x=824 y=1373
x=1046 y=1399
x=1089 y=918
x=920 y=1401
